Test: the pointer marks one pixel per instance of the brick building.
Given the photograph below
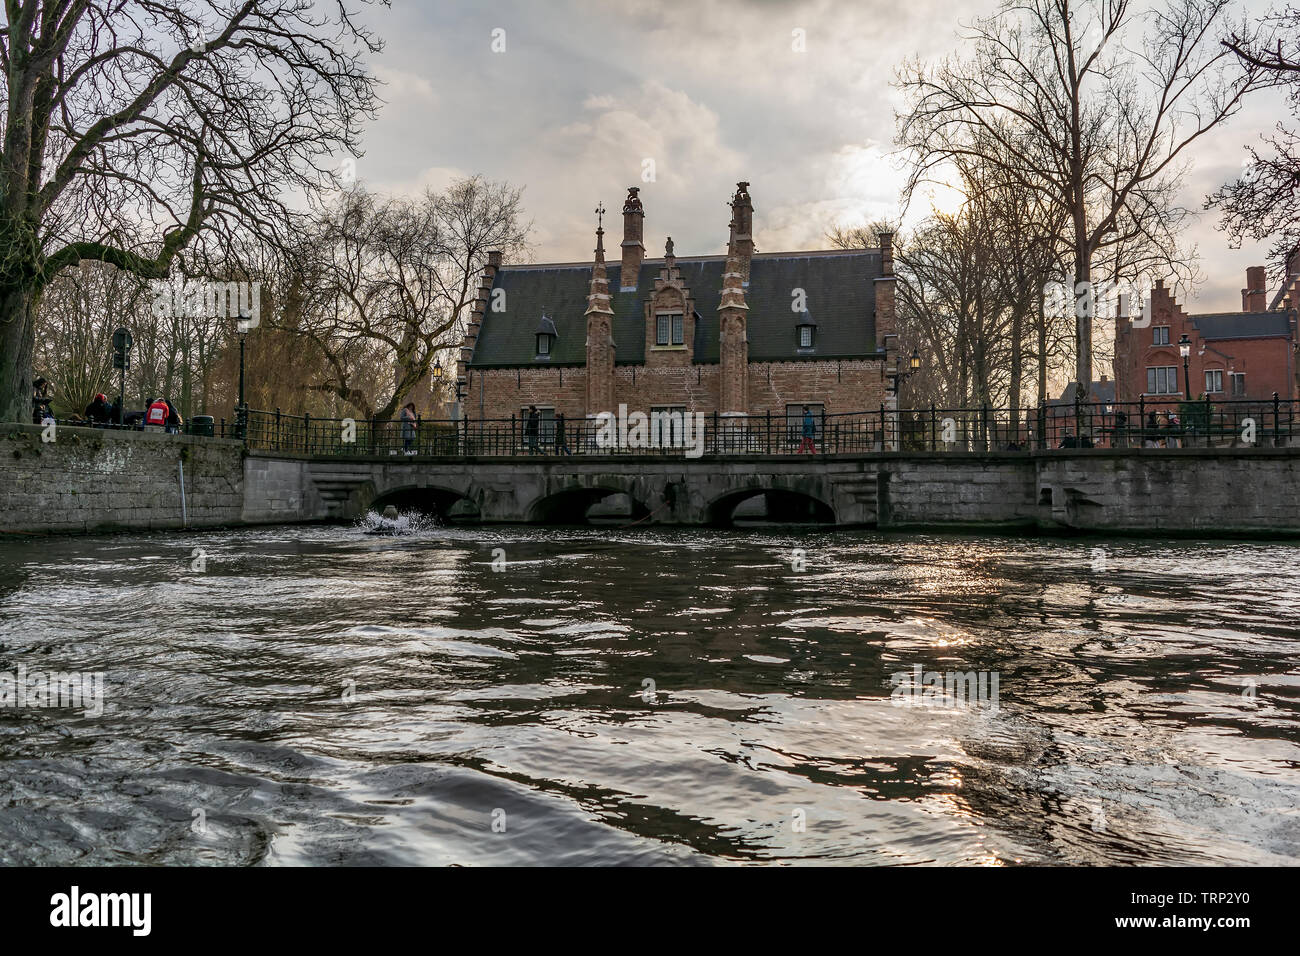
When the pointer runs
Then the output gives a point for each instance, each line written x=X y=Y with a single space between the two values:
x=739 y=334
x=1246 y=355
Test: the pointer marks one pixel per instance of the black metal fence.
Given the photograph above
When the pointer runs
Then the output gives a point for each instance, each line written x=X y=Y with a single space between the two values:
x=1141 y=424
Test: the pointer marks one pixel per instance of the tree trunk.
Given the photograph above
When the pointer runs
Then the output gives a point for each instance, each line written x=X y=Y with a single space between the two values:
x=17 y=338
x=1042 y=350
x=1083 y=310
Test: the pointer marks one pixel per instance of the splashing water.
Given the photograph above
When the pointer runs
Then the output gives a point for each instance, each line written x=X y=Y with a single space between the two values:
x=406 y=522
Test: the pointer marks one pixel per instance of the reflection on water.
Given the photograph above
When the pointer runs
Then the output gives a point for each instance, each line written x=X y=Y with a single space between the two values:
x=325 y=695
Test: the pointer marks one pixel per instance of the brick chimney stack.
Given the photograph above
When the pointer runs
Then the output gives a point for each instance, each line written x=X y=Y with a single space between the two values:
x=600 y=336
x=886 y=324
x=633 y=239
x=733 y=351
x=1254 y=296
x=741 y=242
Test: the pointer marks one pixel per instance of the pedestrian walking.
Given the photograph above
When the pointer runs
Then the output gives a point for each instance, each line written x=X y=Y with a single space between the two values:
x=809 y=432
x=408 y=428
x=561 y=443
x=532 y=426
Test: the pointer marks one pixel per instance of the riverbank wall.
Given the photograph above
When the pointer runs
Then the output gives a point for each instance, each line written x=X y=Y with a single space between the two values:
x=90 y=479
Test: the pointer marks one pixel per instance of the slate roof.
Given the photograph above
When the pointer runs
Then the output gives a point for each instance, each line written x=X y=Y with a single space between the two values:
x=840 y=289
x=1241 y=325
x=1103 y=391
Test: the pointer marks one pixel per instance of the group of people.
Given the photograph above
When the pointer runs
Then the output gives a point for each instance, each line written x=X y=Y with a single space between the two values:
x=533 y=432
x=158 y=413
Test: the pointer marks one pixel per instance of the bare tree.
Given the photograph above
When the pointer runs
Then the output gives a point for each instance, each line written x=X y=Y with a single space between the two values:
x=1264 y=202
x=1091 y=105
x=387 y=283
x=182 y=120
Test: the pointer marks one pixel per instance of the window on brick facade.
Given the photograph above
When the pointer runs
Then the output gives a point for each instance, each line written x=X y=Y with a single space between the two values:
x=1160 y=335
x=1238 y=384
x=1162 y=380
x=1213 y=380
x=670 y=330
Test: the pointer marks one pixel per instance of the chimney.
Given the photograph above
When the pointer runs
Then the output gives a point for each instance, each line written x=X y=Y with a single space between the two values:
x=633 y=234
x=741 y=242
x=1253 y=297
x=886 y=325
x=886 y=240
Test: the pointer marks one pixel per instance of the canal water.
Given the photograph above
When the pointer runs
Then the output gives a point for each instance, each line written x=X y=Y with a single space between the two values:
x=645 y=696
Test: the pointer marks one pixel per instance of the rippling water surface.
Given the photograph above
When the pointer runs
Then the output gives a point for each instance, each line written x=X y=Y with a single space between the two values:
x=327 y=696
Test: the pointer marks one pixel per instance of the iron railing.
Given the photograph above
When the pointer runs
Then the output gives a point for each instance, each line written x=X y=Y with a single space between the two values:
x=1146 y=423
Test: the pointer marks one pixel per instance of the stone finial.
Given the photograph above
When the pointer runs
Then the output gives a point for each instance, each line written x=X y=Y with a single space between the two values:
x=633 y=248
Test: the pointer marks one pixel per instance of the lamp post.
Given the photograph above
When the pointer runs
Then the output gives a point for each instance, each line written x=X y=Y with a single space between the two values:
x=1185 y=350
x=897 y=377
x=241 y=413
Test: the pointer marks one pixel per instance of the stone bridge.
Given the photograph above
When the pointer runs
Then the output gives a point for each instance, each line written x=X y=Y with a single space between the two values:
x=1191 y=491
x=669 y=490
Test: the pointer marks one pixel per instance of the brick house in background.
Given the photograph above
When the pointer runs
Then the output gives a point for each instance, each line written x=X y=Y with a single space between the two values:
x=1246 y=355
x=712 y=334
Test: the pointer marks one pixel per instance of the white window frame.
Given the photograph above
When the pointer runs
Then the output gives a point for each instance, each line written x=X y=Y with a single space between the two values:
x=670 y=326
x=1213 y=376
x=1170 y=377
x=1157 y=338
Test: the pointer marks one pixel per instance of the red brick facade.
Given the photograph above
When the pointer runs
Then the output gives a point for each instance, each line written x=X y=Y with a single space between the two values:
x=1245 y=355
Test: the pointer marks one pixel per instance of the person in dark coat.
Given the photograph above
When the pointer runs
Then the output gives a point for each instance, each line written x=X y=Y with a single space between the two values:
x=174 y=420
x=408 y=428
x=532 y=427
x=99 y=412
x=561 y=443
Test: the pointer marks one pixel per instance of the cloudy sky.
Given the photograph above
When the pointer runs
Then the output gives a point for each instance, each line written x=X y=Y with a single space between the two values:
x=712 y=91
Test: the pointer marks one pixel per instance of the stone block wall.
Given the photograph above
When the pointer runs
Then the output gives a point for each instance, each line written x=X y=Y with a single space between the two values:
x=90 y=479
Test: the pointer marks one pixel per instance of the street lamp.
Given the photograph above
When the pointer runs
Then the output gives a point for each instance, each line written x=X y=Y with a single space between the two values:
x=913 y=366
x=1185 y=350
x=241 y=414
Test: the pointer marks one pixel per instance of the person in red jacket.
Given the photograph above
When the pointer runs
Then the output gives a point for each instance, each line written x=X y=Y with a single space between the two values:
x=155 y=418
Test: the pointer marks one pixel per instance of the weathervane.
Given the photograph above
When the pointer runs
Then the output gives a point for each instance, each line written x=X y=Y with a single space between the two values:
x=600 y=215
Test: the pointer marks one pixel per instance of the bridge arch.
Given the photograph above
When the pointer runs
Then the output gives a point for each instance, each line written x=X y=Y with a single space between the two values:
x=447 y=504
x=778 y=505
x=570 y=504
